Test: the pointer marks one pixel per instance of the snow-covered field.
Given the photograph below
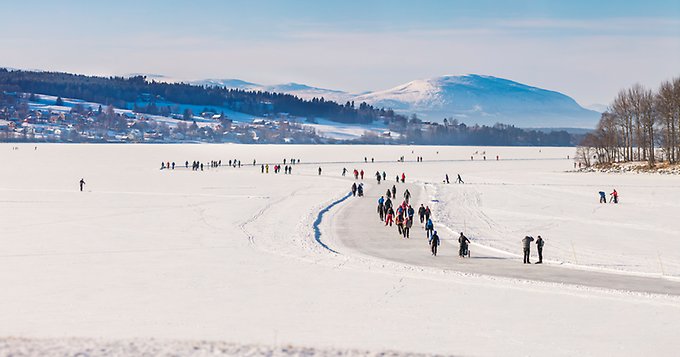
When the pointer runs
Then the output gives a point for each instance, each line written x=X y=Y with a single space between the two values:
x=229 y=254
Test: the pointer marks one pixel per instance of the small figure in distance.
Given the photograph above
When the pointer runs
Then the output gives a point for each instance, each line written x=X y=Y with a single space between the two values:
x=434 y=243
x=526 y=243
x=463 y=250
x=539 y=246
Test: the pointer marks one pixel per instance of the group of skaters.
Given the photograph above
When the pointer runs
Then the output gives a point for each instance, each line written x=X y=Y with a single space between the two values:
x=402 y=216
x=167 y=165
x=458 y=179
x=613 y=197
x=358 y=190
x=199 y=166
x=356 y=173
x=287 y=170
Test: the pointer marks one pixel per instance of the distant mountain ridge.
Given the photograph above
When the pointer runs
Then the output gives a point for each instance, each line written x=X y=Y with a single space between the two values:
x=300 y=90
x=472 y=99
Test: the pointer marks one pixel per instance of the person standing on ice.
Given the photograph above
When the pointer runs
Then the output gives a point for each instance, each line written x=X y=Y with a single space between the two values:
x=82 y=183
x=403 y=177
x=319 y=170
x=360 y=190
x=463 y=248
x=400 y=221
x=603 y=197
x=389 y=193
x=388 y=204
x=362 y=174
x=526 y=244
x=539 y=246
x=384 y=176
x=447 y=178
x=394 y=191
x=381 y=207
x=459 y=179
x=389 y=217
x=434 y=243
x=344 y=171
x=378 y=177
x=421 y=213
x=615 y=197
x=408 y=223
x=429 y=228
x=407 y=195
x=354 y=189
x=428 y=213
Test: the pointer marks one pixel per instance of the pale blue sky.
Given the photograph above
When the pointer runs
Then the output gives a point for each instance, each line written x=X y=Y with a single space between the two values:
x=586 y=49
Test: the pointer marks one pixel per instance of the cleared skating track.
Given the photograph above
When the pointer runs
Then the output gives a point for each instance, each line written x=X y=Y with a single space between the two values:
x=356 y=226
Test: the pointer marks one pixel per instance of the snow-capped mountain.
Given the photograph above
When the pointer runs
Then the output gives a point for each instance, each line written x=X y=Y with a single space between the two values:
x=472 y=99
x=484 y=100
x=300 y=90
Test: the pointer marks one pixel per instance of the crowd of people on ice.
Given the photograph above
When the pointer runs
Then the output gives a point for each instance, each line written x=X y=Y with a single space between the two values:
x=391 y=214
x=403 y=217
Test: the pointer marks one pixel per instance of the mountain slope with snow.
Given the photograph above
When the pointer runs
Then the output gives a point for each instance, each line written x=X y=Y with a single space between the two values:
x=484 y=100
x=471 y=99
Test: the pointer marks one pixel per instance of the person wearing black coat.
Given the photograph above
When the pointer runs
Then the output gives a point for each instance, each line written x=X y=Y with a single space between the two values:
x=526 y=243
x=463 y=248
x=434 y=243
x=539 y=246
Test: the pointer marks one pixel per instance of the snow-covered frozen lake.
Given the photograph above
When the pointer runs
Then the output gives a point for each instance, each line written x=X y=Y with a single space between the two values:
x=229 y=254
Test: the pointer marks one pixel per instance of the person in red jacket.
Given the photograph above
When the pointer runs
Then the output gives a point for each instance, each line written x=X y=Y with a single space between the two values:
x=615 y=196
x=389 y=218
x=403 y=177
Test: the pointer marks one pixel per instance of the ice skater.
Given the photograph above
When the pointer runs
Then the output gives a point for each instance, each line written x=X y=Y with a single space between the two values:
x=389 y=217
x=381 y=207
x=82 y=183
x=434 y=243
x=429 y=228
x=408 y=223
x=459 y=179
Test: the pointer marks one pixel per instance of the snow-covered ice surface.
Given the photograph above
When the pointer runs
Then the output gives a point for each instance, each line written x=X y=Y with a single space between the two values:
x=229 y=254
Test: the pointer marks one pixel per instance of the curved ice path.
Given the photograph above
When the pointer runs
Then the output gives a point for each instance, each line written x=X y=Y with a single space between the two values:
x=319 y=218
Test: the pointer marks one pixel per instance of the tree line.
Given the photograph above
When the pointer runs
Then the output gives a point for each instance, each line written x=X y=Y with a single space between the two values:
x=639 y=125
x=123 y=92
